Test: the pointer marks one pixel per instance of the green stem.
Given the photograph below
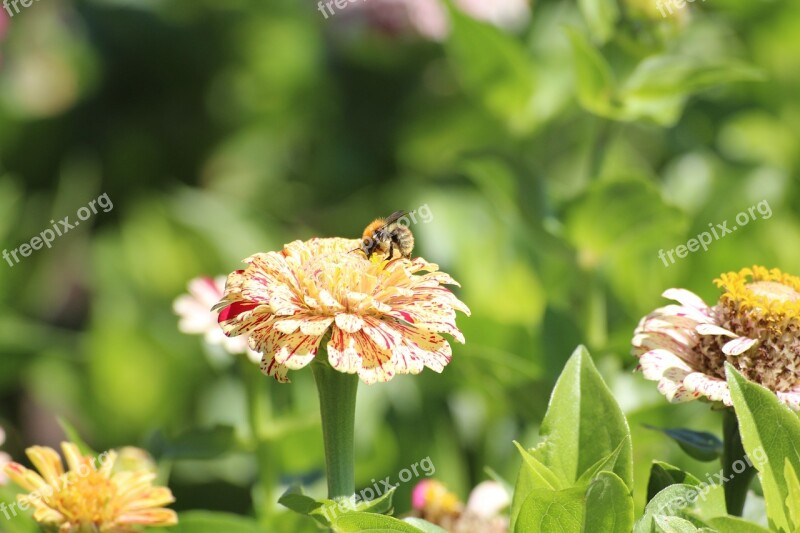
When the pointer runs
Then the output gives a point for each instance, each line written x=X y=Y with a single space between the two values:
x=337 y=405
x=732 y=452
x=259 y=413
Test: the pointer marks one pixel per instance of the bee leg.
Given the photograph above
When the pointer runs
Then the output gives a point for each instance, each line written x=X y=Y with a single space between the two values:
x=391 y=251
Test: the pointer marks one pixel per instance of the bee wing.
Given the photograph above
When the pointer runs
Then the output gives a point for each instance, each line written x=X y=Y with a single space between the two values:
x=394 y=217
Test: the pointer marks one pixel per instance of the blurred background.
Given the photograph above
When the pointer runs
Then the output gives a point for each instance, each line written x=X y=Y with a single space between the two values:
x=558 y=147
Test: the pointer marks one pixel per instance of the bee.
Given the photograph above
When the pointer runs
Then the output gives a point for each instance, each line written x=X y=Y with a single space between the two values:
x=384 y=235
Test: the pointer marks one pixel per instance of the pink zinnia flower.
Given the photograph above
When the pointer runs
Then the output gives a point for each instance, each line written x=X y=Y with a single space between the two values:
x=197 y=318
x=382 y=317
x=755 y=326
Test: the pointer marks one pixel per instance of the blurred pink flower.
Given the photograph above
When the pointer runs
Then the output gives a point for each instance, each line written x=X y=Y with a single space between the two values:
x=4 y=459
x=484 y=511
x=428 y=18
x=196 y=317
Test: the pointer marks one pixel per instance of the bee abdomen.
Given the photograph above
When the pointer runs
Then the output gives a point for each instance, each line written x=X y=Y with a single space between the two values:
x=404 y=239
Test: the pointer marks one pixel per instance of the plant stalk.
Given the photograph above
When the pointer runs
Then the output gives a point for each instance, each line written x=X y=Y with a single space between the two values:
x=337 y=405
x=738 y=480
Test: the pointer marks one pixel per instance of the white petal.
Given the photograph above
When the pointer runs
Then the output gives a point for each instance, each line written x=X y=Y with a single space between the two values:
x=711 y=329
x=656 y=362
x=687 y=298
x=738 y=346
x=713 y=388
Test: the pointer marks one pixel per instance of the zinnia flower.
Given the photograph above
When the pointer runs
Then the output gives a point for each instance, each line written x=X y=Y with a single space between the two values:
x=197 y=318
x=383 y=318
x=755 y=326
x=89 y=497
x=483 y=512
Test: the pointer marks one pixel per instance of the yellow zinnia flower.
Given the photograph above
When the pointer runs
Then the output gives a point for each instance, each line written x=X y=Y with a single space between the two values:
x=755 y=326
x=89 y=497
x=383 y=317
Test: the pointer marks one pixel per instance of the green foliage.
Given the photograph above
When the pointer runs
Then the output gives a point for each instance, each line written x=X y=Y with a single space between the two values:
x=701 y=445
x=775 y=455
x=580 y=477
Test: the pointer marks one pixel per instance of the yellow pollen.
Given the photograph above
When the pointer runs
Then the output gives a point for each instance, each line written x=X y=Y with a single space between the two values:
x=85 y=499
x=762 y=293
x=774 y=291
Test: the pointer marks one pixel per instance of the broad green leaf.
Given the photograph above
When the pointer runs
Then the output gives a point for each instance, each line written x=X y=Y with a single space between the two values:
x=733 y=524
x=382 y=504
x=552 y=511
x=75 y=437
x=793 y=499
x=210 y=522
x=606 y=464
x=493 y=68
x=300 y=503
x=671 y=75
x=609 y=505
x=681 y=501
x=601 y=16
x=701 y=445
x=583 y=430
x=539 y=474
x=673 y=524
x=596 y=85
x=770 y=431
x=662 y=475
x=206 y=443
x=583 y=424
x=375 y=523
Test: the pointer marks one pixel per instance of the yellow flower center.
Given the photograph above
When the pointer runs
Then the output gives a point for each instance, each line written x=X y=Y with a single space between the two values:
x=763 y=305
x=85 y=501
x=762 y=294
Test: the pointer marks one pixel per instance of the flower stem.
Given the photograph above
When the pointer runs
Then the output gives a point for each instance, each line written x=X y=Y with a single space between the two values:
x=259 y=414
x=733 y=452
x=337 y=405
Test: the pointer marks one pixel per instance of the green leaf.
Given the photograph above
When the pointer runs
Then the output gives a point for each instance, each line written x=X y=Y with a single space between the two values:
x=494 y=69
x=793 y=499
x=584 y=431
x=601 y=16
x=662 y=475
x=596 y=85
x=195 y=444
x=771 y=436
x=210 y=522
x=75 y=437
x=297 y=501
x=539 y=475
x=607 y=463
x=701 y=445
x=609 y=505
x=673 y=524
x=690 y=503
x=583 y=424
x=382 y=504
x=733 y=524
x=376 y=523
x=559 y=511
